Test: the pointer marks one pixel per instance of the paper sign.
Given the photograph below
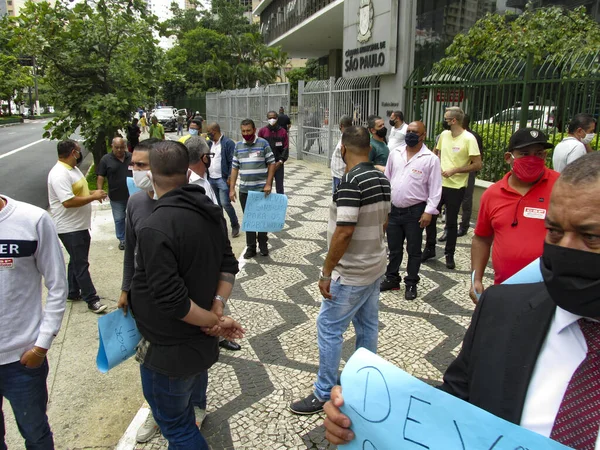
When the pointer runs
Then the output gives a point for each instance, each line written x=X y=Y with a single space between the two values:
x=131 y=186
x=118 y=338
x=528 y=274
x=264 y=214
x=391 y=409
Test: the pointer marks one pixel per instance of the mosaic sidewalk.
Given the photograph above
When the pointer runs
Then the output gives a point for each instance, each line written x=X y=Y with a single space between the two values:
x=277 y=299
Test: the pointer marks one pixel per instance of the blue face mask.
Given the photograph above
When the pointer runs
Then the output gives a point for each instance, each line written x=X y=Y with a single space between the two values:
x=193 y=132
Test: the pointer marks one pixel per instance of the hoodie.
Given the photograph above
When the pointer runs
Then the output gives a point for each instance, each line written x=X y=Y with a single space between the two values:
x=182 y=249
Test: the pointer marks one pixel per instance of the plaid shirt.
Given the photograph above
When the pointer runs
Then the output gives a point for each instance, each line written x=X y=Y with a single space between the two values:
x=338 y=166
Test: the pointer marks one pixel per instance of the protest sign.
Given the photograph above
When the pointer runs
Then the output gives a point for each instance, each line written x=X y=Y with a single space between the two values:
x=118 y=338
x=391 y=409
x=264 y=214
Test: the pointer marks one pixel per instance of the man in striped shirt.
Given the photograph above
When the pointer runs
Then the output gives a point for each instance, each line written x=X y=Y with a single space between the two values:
x=355 y=262
x=253 y=159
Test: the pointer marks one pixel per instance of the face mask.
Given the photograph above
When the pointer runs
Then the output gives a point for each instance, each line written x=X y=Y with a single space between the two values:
x=272 y=122
x=382 y=132
x=211 y=136
x=528 y=169
x=588 y=138
x=343 y=154
x=193 y=132
x=248 y=137
x=572 y=278
x=141 y=180
x=206 y=160
x=445 y=125
x=392 y=122
x=411 y=139
x=79 y=159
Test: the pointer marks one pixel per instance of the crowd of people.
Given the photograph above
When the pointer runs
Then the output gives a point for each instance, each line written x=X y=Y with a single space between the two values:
x=539 y=341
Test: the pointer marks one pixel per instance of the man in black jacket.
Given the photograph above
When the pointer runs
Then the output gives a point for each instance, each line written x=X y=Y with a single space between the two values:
x=532 y=352
x=185 y=270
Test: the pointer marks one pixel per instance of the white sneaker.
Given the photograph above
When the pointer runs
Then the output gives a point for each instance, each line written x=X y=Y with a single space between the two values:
x=147 y=431
x=200 y=416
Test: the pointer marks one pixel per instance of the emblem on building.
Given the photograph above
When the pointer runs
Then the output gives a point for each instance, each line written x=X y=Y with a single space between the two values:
x=365 y=20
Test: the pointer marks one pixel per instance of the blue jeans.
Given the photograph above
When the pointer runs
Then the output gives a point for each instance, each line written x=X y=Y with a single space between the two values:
x=27 y=393
x=221 y=189
x=77 y=245
x=118 y=212
x=172 y=401
x=335 y=182
x=359 y=304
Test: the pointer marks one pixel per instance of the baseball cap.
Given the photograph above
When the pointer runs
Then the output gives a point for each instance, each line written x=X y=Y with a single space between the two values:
x=524 y=137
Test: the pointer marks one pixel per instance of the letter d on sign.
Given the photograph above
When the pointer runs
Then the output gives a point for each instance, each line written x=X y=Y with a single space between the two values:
x=374 y=410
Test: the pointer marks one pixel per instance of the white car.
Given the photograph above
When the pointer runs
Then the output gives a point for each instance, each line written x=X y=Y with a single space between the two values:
x=537 y=117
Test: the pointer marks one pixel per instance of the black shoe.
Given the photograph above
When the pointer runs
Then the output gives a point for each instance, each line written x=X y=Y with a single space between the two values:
x=443 y=237
x=230 y=345
x=235 y=231
x=96 y=307
x=250 y=253
x=411 y=292
x=389 y=285
x=264 y=251
x=462 y=231
x=428 y=253
x=450 y=262
x=309 y=405
x=121 y=245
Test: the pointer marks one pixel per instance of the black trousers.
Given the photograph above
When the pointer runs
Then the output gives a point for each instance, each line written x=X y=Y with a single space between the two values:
x=404 y=224
x=279 y=179
x=452 y=198
x=77 y=244
x=251 y=235
x=467 y=203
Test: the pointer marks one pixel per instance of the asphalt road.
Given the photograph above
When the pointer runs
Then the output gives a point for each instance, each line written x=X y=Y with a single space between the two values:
x=25 y=160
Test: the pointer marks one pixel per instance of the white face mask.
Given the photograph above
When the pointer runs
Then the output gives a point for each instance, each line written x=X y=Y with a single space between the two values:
x=142 y=180
x=589 y=137
x=272 y=121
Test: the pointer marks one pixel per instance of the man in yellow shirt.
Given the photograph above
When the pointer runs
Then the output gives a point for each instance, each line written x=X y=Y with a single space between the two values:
x=459 y=154
x=195 y=129
x=156 y=130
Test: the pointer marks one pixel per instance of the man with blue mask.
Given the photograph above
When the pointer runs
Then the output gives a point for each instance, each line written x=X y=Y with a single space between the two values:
x=532 y=352
x=195 y=129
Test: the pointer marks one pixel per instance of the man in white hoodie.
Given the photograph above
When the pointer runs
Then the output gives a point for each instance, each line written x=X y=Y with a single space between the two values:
x=29 y=250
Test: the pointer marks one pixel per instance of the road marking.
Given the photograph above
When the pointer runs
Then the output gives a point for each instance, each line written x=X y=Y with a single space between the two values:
x=12 y=152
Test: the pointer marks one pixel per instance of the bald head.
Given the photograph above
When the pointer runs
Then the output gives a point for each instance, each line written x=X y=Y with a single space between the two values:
x=118 y=147
x=417 y=127
x=415 y=135
x=213 y=131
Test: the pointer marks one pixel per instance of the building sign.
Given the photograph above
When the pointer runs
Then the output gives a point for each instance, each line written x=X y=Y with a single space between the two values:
x=370 y=37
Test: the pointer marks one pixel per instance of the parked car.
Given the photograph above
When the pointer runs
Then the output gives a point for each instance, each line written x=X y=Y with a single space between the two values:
x=537 y=117
x=167 y=117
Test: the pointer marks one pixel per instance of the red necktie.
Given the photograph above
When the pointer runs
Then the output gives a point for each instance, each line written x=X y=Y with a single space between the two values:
x=576 y=424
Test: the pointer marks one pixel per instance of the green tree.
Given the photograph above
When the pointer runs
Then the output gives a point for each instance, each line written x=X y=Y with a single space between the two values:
x=99 y=58
x=13 y=77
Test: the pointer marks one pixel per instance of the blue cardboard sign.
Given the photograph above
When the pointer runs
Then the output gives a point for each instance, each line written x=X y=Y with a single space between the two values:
x=531 y=273
x=118 y=338
x=264 y=214
x=131 y=187
x=391 y=409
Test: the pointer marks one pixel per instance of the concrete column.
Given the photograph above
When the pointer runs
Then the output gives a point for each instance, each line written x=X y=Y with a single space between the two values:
x=334 y=63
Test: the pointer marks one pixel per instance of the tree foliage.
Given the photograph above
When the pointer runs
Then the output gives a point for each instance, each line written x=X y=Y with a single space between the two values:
x=100 y=62
x=13 y=77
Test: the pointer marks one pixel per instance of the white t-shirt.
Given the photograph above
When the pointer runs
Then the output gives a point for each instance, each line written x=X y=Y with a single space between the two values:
x=215 y=164
x=567 y=151
x=64 y=183
x=203 y=182
x=397 y=136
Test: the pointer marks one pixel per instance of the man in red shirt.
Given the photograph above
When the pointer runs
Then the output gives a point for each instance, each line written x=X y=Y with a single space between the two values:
x=512 y=211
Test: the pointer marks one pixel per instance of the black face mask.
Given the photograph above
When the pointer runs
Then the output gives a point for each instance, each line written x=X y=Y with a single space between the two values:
x=211 y=136
x=206 y=160
x=445 y=125
x=392 y=122
x=572 y=278
x=79 y=158
x=343 y=154
x=382 y=132
x=411 y=139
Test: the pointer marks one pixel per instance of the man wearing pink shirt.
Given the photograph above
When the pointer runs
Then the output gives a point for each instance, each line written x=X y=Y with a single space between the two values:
x=416 y=178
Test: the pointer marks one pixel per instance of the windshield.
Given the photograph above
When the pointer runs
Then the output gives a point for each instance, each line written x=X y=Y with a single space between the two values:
x=163 y=113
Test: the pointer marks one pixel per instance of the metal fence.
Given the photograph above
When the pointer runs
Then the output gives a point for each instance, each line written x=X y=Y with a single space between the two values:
x=321 y=103
x=501 y=97
x=229 y=108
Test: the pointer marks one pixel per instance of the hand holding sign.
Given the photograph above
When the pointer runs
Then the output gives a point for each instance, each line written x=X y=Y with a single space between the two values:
x=264 y=214
x=118 y=338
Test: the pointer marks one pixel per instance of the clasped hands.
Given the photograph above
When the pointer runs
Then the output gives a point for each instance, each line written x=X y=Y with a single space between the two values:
x=227 y=327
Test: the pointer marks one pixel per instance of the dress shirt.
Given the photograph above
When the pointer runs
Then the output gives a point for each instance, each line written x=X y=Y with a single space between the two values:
x=203 y=182
x=416 y=181
x=338 y=166
x=397 y=135
x=563 y=351
x=215 y=171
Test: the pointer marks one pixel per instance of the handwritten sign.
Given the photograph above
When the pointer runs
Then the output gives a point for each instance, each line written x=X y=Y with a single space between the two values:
x=391 y=409
x=264 y=214
x=118 y=338
x=528 y=274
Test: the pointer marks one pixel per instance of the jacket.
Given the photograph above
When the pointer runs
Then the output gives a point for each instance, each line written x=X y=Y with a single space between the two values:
x=227 y=148
x=182 y=248
x=278 y=141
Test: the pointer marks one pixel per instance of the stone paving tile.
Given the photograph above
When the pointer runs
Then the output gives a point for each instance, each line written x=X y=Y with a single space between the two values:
x=277 y=299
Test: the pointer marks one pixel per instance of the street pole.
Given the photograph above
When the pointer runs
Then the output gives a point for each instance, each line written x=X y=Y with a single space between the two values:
x=37 y=98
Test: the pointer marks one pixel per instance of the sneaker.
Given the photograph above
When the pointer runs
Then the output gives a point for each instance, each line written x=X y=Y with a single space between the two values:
x=428 y=253
x=309 y=405
x=443 y=237
x=121 y=245
x=411 y=292
x=389 y=285
x=250 y=253
x=200 y=416
x=148 y=429
x=450 y=262
x=96 y=307
x=235 y=231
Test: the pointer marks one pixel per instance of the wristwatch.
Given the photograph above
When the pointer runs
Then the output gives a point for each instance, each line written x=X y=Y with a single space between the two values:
x=322 y=276
x=221 y=299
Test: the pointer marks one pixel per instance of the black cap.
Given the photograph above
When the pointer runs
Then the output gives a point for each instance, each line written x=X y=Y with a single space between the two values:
x=524 y=137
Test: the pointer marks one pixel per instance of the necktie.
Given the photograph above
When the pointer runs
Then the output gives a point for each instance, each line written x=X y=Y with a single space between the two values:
x=576 y=424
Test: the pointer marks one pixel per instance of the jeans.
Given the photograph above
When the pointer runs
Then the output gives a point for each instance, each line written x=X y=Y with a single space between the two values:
x=335 y=182
x=452 y=198
x=251 y=235
x=221 y=189
x=118 y=211
x=77 y=244
x=359 y=304
x=404 y=223
x=179 y=129
x=27 y=393
x=279 y=180
x=172 y=401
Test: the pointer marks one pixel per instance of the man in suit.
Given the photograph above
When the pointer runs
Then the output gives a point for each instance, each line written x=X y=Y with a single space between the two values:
x=532 y=352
